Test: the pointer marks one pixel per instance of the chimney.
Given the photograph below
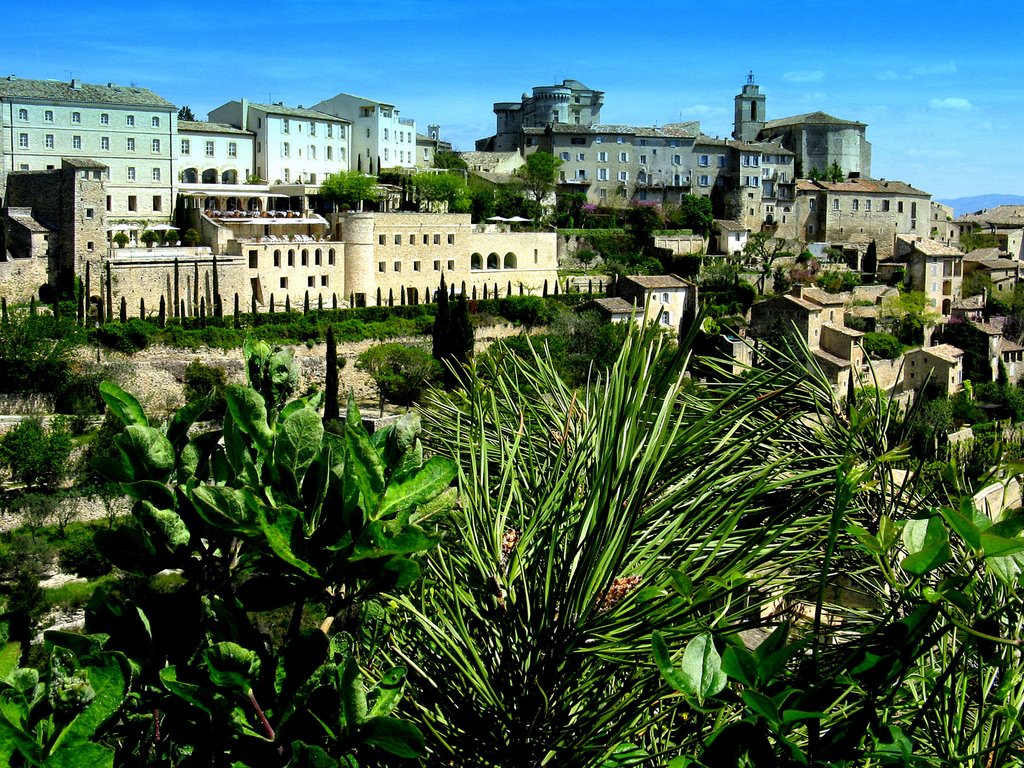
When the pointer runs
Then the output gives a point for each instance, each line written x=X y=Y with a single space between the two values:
x=76 y=84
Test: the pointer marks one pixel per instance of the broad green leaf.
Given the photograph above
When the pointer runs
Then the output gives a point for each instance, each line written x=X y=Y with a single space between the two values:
x=887 y=533
x=433 y=478
x=364 y=465
x=999 y=546
x=624 y=755
x=664 y=661
x=386 y=694
x=963 y=527
x=795 y=715
x=682 y=582
x=249 y=411
x=80 y=645
x=222 y=507
x=701 y=667
x=353 y=695
x=123 y=405
x=761 y=705
x=109 y=676
x=740 y=665
x=928 y=544
x=299 y=439
x=10 y=654
x=148 y=451
x=196 y=695
x=282 y=533
x=397 y=737
x=183 y=419
x=382 y=540
x=232 y=666
x=165 y=526
x=82 y=754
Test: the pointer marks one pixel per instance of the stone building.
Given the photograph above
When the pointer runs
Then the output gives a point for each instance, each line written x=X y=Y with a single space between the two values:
x=1006 y=222
x=934 y=269
x=215 y=153
x=571 y=102
x=380 y=137
x=293 y=144
x=941 y=366
x=857 y=209
x=1003 y=274
x=130 y=130
x=818 y=140
x=667 y=300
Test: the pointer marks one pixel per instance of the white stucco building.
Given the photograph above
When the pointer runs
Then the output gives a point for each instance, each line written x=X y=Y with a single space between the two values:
x=380 y=137
x=293 y=144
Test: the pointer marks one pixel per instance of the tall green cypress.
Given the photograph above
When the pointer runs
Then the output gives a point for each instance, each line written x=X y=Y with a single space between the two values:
x=110 y=296
x=332 y=410
x=442 y=325
x=218 y=308
x=461 y=338
x=162 y=317
x=177 y=287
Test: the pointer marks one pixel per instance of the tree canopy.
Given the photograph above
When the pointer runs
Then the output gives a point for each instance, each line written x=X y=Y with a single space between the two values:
x=349 y=189
x=538 y=175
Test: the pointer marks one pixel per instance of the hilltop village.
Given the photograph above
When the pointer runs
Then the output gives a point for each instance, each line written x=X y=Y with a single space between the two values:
x=112 y=183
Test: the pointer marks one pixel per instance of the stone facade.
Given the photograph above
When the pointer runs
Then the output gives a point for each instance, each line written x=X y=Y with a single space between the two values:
x=571 y=102
x=380 y=137
x=940 y=366
x=667 y=300
x=934 y=269
x=818 y=140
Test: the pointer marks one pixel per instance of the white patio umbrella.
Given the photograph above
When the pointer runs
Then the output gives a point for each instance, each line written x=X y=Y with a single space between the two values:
x=498 y=218
x=518 y=219
x=161 y=228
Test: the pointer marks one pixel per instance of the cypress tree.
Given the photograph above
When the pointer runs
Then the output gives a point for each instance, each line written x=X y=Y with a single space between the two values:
x=474 y=293
x=162 y=317
x=391 y=297
x=442 y=324
x=305 y=304
x=99 y=311
x=508 y=290
x=271 y=304
x=320 y=302
x=287 y=303
x=461 y=344
x=32 y=306
x=545 y=294
x=218 y=309
x=351 y=300
x=81 y=307
x=124 y=310
x=253 y=308
x=485 y=291
x=195 y=288
x=110 y=296
x=88 y=285
x=379 y=302
x=520 y=288
x=402 y=298
x=202 y=310
x=181 y=311
x=177 y=286
x=334 y=300
x=238 y=313
x=332 y=410
x=142 y=309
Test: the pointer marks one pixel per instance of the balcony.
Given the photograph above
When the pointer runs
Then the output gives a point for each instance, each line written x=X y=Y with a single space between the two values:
x=406 y=121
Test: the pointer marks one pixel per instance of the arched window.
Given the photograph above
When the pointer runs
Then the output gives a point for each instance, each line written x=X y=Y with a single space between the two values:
x=475 y=261
x=229 y=177
x=493 y=262
x=190 y=176
x=316 y=257
x=277 y=258
x=305 y=257
x=210 y=176
x=510 y=261
x=330 y=257
x=291 y=257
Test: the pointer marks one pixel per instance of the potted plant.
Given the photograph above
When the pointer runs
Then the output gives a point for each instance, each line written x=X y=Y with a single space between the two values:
x=170 y=237
x=149 y=237
x=192 y=238
x=121 y=238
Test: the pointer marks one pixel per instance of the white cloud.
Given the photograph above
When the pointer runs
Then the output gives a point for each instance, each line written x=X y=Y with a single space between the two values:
x=804 y=77
x=936 y=69
x=953 y=102
x=701 y=109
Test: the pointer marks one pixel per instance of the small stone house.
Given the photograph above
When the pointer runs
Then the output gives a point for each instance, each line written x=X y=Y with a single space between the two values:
x=940 y=366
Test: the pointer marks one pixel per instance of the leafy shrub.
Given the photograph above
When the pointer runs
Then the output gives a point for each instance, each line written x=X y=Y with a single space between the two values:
x=35 y=455
x=527 y=310
x=400 y=372
x=202 y=381
x=882 y=346
x=129 y=337
x=79 y=554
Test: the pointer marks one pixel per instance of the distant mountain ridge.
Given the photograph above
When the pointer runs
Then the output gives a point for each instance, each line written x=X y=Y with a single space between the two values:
x=964 y=205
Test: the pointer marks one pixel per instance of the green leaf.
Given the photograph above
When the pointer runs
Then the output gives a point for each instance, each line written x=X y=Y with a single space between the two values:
x=282 y=533
x=740 y=665
x=182 y=421
x=625 y=755
x=249 y=411
x=232 y=666
x=84 y=754
x=10 y=654
x=382 y=540
x=682 y=582
x=123 y=405
x=701 y=667
x=166 y=527
x=299 y=439
x=109 y=676
x=886 y=533
x=397 y=737
x=353 y=695
x=433 y=478
x=386 y=694
x=148 y=452
x=963 y=527
x=196 y=695
x=999 y=546
x=364 y=465
x=761 y=705
x=928 y=544
x=664 y=661
x=222 y=507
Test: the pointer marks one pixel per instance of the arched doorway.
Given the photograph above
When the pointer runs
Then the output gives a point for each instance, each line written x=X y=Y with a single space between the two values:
x=210 y=176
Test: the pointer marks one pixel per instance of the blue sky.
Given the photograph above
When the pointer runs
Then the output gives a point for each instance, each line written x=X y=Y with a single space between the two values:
x=940 y=84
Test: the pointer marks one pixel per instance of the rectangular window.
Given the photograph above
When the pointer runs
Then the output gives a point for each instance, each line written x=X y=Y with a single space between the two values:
x=382 y=239
x=330 y=131
x=602 y=157
x=291 y=258
x=564 y=156
x=232 y=149
x=437 y=265
x=398 y=239
x=398 y=266
x=451 y=265
x=129 y=120
x=703 y=180
x=283 y=282
x=156 y=145
x=48 y=116
x=133 y=203
x=76 y=117
x=23 y=140
x=254 y=259
x=602 y=174
x=856 y=205
x=156 y=122
x=437 y=239
x=209 y=149
x=156 y=174
x=835 y=204
x=49 y=141
x=323 y=281
x=885 y=206
x=131 y=173
x=286 y=126
x=623 y=175
x=185 y=146
x=899 y=206
x=623 y=157
x=580 y=157
x=415 y=266
x=158 y=203
x=312 y=152
x=104 y=119
x=311 y=282
x=287 y=175
x=129 y=144
x=703 y=161
x=381 y=266
x=643 y=159
x=721 y=161
x=312 y=128
x=90 y=246
x=677 y=159
x=89 y=213
x=330 y=152
x=76 y=142
x=277 y=258
x=451 y=241
x=286 y=150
